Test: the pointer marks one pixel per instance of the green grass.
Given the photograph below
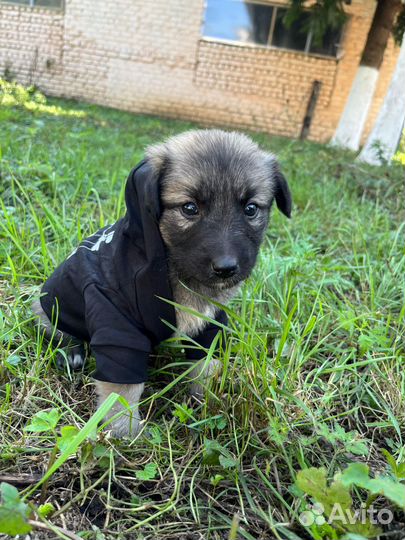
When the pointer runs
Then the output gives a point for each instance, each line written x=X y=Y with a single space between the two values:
x=313 y=368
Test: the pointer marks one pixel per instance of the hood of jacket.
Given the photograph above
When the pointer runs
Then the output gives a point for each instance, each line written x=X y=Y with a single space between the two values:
x=141 y=227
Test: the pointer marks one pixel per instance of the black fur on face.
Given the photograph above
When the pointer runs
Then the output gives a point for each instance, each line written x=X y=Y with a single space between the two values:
x=216 y=190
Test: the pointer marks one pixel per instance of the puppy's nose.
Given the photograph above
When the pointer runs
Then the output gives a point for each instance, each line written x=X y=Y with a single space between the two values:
x=225 y=267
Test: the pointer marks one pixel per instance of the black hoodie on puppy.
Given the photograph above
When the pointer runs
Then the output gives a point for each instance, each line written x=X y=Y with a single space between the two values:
x=109 y=292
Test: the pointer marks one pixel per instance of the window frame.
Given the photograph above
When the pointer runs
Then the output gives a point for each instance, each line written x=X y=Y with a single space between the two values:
x=269 y=45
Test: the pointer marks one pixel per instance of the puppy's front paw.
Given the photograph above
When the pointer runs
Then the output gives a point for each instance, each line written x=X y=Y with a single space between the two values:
x=75 y=357
x=201 y=375
x=125 y=426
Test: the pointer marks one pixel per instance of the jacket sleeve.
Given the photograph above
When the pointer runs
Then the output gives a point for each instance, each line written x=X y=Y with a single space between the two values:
x=205 y=338
x=119 y=344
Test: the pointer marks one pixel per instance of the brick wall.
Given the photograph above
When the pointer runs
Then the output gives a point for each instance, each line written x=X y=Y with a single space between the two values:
x=31 y=43
x=149 y=57
x=273 y=86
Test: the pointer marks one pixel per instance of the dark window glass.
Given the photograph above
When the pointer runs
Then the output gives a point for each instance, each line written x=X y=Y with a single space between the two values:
x=48 y=3
x=293 y=37
x=39 y=3
x=23 y=2
x=249 y=22
x=238 y=21
x=329 y=44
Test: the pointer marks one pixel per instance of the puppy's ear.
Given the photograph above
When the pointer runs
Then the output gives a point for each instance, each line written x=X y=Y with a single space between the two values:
x=156 y=157
x=282 y=192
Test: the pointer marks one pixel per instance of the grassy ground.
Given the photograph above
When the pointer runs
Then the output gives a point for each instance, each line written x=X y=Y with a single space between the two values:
x=313 y=369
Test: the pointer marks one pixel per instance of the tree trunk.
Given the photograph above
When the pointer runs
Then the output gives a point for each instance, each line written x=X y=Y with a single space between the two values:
x=380 y=30
x=354 y=116
x=386 y=134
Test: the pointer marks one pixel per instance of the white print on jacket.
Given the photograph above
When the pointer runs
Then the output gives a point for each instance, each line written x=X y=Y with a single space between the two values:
x=105 y=236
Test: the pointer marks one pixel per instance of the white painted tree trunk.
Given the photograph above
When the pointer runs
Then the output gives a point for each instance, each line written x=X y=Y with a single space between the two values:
x=386 y=133
x=353 y=119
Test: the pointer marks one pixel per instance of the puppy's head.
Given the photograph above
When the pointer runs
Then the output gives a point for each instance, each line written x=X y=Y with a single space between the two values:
x=216 y=190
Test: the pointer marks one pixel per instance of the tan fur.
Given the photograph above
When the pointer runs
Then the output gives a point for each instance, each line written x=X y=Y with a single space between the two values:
x=174 y=214
x=127 y=424
x=50 y=331
x=43 y=320
x=201 y=374
x=188 y=323
x=185 y=153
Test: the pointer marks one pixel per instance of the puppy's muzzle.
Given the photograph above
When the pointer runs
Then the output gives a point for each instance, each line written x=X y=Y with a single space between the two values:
x=225 y=267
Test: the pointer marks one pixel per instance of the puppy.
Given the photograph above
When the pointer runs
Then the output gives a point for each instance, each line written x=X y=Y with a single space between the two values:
x=197 y=210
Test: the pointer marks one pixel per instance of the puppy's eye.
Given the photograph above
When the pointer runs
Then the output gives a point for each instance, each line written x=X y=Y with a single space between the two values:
x=251 y=210
x=189 y=209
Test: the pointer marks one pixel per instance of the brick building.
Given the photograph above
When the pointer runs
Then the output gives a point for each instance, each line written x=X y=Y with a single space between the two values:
x=223 y=62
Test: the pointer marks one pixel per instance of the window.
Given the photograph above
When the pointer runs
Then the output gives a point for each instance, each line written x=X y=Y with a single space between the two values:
x=245 y=21
x=238 y=21
x=35 y=3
